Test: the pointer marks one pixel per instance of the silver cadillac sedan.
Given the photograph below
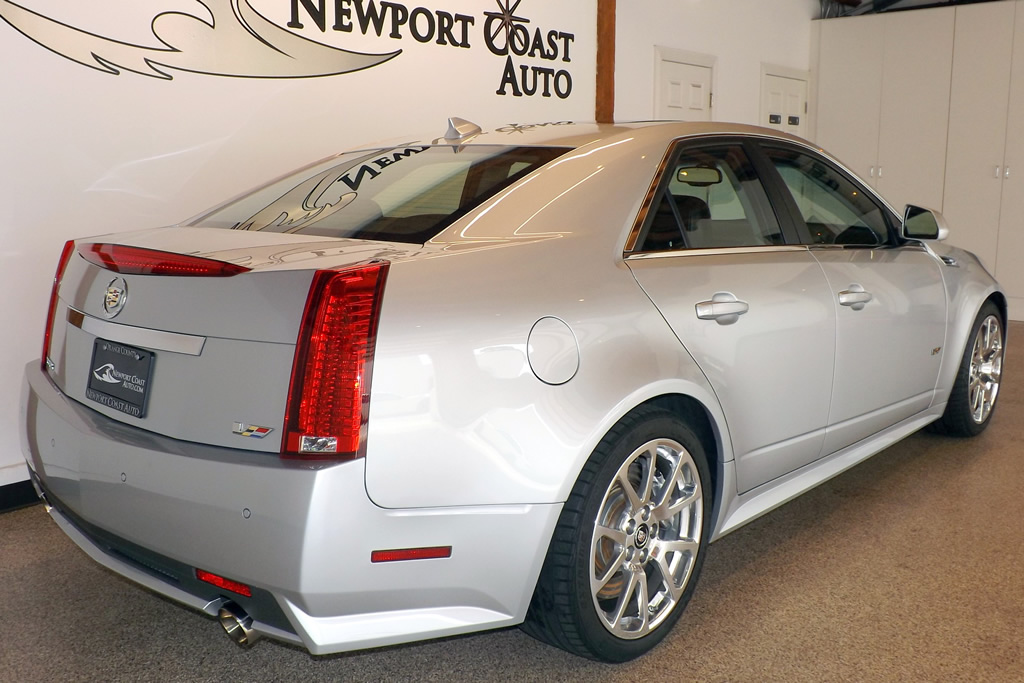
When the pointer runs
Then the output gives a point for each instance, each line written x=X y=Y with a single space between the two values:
x=524 y=376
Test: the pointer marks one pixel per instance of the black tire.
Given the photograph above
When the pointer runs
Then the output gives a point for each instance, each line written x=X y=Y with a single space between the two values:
x=973 y=398
x=566 y=611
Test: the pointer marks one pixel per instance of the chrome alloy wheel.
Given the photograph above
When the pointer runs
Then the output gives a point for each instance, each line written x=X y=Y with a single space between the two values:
x=646 y=538
x=986 y=368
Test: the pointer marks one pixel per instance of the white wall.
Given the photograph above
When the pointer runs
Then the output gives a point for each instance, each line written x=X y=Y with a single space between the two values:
x=741 y=34
x=84 y=152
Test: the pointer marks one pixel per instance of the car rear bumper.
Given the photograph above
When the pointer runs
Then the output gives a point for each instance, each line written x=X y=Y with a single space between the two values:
x=154 y=509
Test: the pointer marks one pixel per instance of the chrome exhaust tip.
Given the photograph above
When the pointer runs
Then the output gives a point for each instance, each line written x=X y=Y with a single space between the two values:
x=237 y=624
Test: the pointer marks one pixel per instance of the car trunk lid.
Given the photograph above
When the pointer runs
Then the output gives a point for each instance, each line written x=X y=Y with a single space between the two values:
x=197 y=358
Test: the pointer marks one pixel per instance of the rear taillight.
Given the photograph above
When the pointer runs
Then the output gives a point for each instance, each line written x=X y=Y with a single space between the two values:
x=138 y=261
x=329 y=397
x=65 y=256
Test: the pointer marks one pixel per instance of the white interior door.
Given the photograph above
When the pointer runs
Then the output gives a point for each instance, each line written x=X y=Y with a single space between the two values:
x=683 y=91
x=784 y=104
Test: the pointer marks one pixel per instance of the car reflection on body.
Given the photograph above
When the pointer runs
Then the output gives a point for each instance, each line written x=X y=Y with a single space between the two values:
x=494 y=378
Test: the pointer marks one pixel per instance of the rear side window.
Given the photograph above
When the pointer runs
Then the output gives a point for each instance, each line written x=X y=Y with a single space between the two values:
x=401 y=194
x=711 y=198
x=835 y=210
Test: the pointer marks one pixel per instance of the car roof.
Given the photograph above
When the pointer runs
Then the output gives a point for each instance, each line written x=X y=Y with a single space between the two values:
x=574 y=134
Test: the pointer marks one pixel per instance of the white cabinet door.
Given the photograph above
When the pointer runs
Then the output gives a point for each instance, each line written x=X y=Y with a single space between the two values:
x=883 y=100
x=977 y=126
x=850 y=90
x=915 y=107
x=1010 y=257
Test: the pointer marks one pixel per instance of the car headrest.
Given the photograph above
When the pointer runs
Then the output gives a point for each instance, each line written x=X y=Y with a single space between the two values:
x=691 y=210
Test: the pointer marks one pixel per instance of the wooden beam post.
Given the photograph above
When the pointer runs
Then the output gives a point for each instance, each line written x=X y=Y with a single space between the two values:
x=604 y=107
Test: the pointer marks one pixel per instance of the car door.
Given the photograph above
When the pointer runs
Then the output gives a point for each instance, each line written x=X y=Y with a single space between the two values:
x=888 y=295
x=753 y=309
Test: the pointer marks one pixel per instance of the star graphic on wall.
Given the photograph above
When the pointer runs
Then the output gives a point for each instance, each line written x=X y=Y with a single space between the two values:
x=507 y=20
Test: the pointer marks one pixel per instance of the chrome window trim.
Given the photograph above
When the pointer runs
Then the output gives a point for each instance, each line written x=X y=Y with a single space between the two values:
x=715 y=251
x=645 y=206
x=914 y=246
x=157 y=340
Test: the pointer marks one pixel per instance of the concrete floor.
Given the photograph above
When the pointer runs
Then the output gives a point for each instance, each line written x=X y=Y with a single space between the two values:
x=908 y=567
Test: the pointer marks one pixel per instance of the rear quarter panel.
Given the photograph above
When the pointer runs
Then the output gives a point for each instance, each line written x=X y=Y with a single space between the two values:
x=457 y=417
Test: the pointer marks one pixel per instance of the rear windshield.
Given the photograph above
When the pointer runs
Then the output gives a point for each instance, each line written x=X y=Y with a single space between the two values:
x=401 y=194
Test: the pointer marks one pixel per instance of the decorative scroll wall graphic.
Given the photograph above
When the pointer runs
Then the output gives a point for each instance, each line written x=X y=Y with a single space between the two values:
x=232 y=38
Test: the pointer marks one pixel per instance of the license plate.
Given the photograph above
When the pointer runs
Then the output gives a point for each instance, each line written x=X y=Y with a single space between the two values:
x=119 y=377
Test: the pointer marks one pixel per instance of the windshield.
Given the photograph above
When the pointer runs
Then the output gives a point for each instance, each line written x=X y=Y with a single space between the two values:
x=400 y=194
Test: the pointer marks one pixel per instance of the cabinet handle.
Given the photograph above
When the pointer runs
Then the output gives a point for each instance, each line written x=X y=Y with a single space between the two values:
x=879 y=171
x=1006 y=172
x=872 y=171
x=997 y=171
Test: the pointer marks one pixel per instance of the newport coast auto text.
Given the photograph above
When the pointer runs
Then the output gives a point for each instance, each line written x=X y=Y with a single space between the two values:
x=504 y=34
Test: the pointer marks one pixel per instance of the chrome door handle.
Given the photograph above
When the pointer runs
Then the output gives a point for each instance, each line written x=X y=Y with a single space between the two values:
x=724 y=308
x=855 y=297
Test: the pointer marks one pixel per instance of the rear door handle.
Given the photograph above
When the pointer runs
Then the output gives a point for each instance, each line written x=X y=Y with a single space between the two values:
x=724 y=308
x=855 y=297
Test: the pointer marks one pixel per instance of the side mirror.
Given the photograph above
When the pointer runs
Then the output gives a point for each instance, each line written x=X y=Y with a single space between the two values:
x=699 y=176
x=920 y=223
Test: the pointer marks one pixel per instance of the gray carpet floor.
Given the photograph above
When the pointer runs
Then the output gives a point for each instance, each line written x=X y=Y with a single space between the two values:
x=907 y=567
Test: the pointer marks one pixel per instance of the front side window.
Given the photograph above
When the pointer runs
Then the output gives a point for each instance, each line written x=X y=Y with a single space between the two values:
x=401 y=194
x=835 y=210
x=711 y=198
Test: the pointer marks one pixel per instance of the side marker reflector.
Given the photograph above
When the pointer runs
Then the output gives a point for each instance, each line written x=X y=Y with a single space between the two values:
x=434 y=553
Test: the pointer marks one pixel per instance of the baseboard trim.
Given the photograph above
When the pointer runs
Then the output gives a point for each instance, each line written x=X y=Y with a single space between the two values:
x=17 y=495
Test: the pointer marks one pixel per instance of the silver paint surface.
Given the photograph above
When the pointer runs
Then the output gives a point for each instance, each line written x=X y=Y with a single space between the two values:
x=508 y=346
